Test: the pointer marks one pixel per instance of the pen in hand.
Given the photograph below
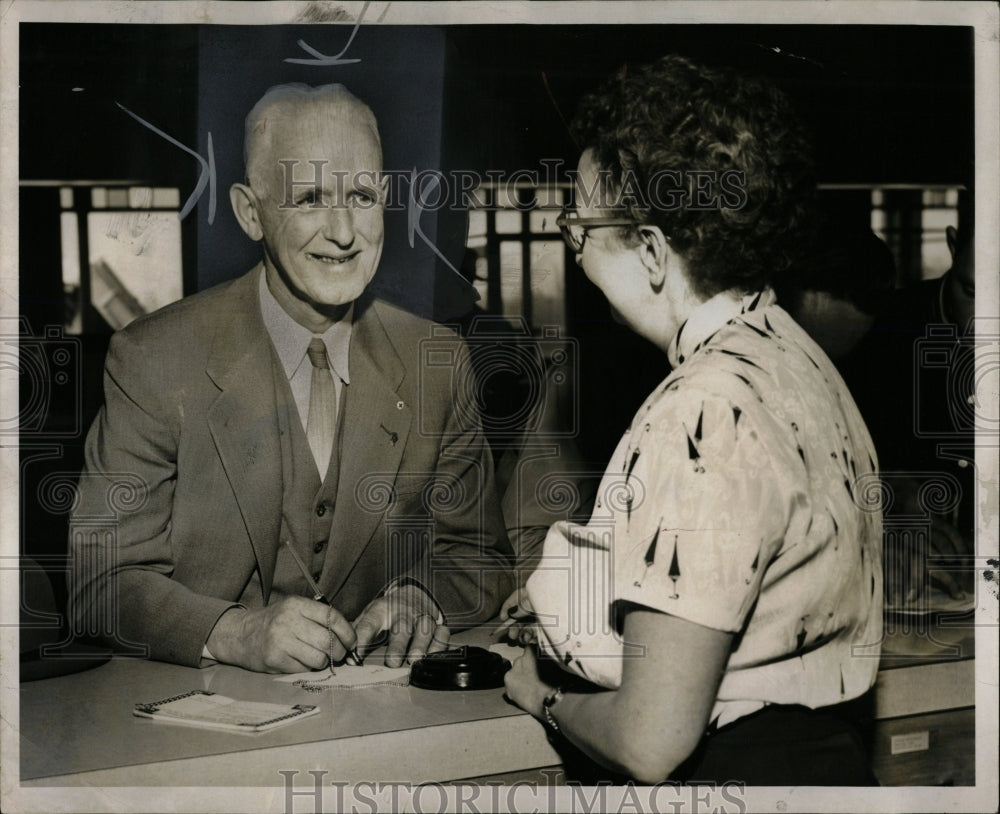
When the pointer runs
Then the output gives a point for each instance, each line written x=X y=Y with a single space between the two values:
x=352 y=655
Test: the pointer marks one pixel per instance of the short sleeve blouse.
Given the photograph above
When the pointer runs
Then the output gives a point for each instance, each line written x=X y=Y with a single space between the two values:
x=743 y=498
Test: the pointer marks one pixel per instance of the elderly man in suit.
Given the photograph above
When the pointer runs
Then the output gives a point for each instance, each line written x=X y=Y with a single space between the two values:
x=278 y=432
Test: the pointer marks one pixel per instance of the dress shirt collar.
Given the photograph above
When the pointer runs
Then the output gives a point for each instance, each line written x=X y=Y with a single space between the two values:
x=291 y=340
x=711 y=315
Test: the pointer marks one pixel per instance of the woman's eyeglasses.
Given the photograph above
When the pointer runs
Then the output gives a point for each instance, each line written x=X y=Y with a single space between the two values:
x=574 y=228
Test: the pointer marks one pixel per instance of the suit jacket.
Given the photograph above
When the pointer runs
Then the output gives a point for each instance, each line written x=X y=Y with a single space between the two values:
x=179 y=501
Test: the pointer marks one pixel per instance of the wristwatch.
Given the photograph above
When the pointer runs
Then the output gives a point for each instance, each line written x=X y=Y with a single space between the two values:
x=550 y=701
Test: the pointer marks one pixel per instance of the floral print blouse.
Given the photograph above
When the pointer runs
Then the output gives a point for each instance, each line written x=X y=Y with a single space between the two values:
x=743 y=497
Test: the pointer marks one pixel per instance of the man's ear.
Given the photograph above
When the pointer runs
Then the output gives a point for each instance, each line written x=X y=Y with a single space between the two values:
x=244 y=204
x=654 y=251
x=951 y=238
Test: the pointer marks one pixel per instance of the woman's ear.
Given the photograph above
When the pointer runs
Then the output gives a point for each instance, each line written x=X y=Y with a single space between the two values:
x=654 y=253
x=244 y=204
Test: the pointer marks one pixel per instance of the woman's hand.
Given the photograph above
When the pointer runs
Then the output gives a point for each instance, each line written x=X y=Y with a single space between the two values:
x=518 y=625
x=524 y=686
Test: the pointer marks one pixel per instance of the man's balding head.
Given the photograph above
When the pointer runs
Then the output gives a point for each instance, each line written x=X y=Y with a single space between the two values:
x=314 y=198
x=298 y=106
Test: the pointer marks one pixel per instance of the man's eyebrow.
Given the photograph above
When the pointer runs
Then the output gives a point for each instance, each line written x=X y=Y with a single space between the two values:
x=313 y=191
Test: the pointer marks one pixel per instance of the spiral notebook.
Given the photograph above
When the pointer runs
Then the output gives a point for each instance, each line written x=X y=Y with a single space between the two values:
x=209 y=710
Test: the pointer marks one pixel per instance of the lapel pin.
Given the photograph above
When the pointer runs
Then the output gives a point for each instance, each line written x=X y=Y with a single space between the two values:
x=400 y=405
x=393 y=437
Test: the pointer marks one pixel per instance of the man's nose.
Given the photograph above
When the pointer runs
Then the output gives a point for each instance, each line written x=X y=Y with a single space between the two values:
x=338 y=225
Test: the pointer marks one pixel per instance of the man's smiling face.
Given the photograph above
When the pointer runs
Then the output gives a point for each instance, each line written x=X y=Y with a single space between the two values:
x=322 y=244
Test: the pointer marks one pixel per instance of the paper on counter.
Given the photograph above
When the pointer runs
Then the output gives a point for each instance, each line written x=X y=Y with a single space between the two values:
x=349 y=677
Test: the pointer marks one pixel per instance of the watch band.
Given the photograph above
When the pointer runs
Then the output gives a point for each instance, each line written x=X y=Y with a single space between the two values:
x=550 y=701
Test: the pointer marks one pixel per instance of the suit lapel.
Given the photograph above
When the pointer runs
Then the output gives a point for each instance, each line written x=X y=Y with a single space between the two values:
x=243 y=421
x=374 y=431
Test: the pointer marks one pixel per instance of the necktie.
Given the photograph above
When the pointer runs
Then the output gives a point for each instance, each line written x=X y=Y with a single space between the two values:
x=322 y=417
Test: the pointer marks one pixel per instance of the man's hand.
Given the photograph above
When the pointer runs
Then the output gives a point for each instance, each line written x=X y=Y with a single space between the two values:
x=409 y=615
x=288 y=636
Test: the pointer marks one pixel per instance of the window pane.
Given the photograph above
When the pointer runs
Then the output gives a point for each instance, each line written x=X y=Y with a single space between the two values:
x=66 y=197
x=70 y=245
x=135 y=260
x=165 y=197
x=477 y=223
x=543 y=220
x=934 y=254
x=68 y=228
x=508 y=222
x=140 y=197
x=510 y=278
x=939 y=219
x=548 y=303
x=505 y=196
x=480 y=283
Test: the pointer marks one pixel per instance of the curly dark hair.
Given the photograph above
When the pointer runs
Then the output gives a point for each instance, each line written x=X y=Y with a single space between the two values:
x=681 y=121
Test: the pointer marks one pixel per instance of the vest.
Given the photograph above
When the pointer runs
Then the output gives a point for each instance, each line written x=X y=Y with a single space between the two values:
x=307 y=503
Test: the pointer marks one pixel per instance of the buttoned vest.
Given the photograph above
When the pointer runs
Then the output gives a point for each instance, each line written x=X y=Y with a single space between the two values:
x=307 y=503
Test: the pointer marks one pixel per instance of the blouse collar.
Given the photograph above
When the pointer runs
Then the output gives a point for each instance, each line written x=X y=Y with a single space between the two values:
x=711 y=315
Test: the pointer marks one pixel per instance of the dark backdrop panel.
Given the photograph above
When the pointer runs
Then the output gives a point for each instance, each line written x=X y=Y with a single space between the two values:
x=884 y=103
x=71 y=77
x=400 y=76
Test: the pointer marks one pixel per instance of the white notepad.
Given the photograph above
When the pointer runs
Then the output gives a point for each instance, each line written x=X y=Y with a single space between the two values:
x=212 y=711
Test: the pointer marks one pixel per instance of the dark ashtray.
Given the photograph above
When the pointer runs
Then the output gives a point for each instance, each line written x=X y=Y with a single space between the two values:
x=461 y=668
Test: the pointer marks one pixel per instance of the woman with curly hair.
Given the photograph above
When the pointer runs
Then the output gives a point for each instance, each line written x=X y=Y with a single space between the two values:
x=722 y=606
